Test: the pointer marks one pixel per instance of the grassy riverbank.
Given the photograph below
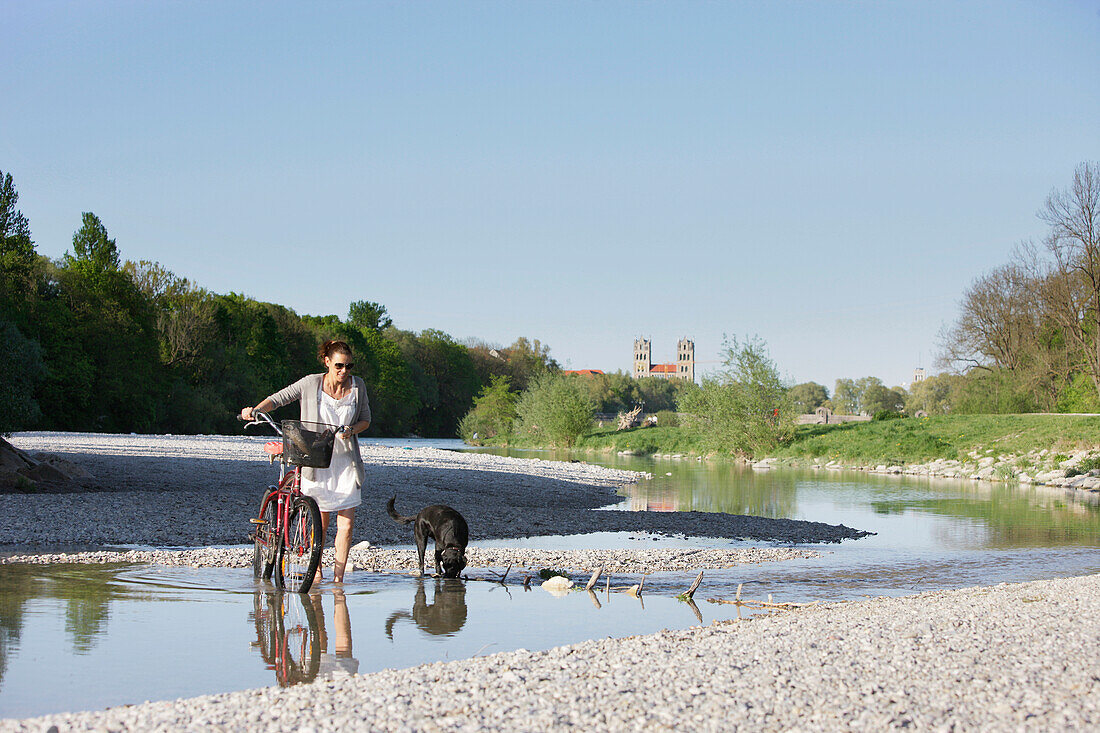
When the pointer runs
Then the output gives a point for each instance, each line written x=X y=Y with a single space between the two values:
x=904 y=441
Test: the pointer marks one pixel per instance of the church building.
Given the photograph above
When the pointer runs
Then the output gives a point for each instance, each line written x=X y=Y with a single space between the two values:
x=683 y=368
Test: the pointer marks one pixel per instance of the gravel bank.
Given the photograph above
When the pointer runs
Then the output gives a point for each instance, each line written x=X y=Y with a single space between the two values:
x=195 y=491
x=1009 y=657
x=378 y=559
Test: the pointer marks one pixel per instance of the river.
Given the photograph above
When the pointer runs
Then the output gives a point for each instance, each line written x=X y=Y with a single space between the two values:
x=82 y=637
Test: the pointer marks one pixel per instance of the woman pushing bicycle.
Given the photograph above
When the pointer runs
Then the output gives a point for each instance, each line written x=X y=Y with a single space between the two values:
x=336 y=398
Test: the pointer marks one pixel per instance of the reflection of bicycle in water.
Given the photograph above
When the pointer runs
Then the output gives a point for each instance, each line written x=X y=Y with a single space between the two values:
x=291 y=636
x=287 y=636
x=443 y=617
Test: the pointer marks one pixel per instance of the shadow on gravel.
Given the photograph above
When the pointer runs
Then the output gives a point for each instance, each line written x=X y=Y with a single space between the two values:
x=166 y=501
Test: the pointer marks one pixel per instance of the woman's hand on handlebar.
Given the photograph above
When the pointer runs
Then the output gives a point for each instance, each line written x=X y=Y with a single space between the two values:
x=246 y=414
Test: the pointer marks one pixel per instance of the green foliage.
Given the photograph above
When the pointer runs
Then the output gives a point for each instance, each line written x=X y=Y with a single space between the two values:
x=365 y=314
x=547 y=573
x=492 y=415
x=556 y=409
x=845 y=397
x=1083 y=467
x=444 y=377
x=1078 y=395
x=808 y=396
x=992 y=391
x=520 y=362
x=668 y=418
x=887 y=415
x=745 y=409
x=933 y=395
x=866 y=395
x=92 y=344
x=21 y=367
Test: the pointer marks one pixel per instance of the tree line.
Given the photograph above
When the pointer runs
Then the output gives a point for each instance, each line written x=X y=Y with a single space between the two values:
x=92 y=342
x=1027 y=337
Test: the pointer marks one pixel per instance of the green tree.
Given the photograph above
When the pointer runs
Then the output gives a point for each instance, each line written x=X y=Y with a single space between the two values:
x=493 y=413
x=845 y=397
x=18 y=260
x=100 y=330
x=520 y=362
x=808 y=396
x=445 y=379
x=879 y=398
x=745 y=408
x=931 y=395
x=555 y=408
x=365 y=314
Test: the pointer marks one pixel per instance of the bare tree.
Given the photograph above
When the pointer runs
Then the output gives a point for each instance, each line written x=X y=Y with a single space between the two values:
x=998 y=324
x=1073 y=215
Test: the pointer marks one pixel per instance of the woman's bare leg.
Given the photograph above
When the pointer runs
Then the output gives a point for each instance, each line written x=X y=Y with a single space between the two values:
x=325 y=517
x=345 y=520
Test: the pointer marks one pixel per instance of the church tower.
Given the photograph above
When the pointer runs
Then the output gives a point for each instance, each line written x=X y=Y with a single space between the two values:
x=685 y=359
x=642 y=361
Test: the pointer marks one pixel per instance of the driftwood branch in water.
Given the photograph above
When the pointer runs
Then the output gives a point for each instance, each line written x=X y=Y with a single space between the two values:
x=690 y=592
x=594 y=578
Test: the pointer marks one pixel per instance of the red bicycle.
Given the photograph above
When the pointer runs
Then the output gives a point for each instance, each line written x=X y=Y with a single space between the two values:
x=287 y=540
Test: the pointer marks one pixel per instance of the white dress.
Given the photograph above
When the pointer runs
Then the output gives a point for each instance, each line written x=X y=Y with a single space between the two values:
x=336 y=487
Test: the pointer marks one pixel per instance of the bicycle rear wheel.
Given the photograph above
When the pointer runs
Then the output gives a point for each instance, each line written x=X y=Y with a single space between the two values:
x=265 y=538
x=300 y=553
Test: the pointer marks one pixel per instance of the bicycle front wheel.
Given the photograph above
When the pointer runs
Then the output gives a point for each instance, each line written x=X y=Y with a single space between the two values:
x=300 y=553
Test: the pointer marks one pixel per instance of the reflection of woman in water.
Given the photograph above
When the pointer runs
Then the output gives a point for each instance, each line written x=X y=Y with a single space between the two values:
x=340 y=661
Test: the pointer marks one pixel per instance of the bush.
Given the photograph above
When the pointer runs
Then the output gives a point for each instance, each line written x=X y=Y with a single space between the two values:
x=744 y=409
x=886 y=415
x=556 y=408
x=668 y=419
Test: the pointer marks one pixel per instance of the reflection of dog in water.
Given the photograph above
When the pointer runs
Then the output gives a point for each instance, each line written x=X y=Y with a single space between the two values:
x=447 y=527
x=445 y=615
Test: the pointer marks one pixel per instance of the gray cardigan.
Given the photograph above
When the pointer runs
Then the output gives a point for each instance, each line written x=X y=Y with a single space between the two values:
x=306 y=390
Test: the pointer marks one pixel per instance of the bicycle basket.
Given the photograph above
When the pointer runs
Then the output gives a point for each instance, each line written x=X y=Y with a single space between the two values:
x=305 y=447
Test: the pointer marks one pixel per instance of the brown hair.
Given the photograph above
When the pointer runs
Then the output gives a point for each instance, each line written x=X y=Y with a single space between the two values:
x=331 y=347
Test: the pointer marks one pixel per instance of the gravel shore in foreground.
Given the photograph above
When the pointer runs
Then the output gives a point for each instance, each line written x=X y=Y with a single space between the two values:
x=1009 y=657
x=195 y=491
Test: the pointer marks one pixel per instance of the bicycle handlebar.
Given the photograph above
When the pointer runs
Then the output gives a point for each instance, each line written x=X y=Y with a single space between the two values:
x=259 y=418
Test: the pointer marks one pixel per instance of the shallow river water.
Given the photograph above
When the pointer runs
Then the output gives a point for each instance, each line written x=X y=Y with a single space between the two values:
x=83 y=637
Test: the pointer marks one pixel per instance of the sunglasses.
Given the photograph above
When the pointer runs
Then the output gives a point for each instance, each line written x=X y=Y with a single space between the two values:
x=343 y=365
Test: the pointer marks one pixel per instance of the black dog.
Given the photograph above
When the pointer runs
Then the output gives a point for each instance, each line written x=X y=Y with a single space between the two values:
x=447 y=528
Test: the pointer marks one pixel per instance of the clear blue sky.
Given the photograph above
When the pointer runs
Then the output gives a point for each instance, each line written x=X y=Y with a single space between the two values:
x=829 y=176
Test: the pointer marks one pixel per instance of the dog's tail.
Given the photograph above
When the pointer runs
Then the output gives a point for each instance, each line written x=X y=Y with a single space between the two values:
x=393 y=513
